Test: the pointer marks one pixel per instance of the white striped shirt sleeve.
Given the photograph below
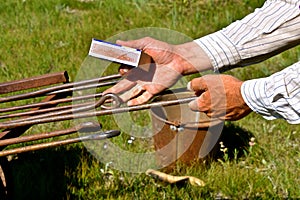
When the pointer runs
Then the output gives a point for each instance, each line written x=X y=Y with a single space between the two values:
x=276 y=96
x=267 y=31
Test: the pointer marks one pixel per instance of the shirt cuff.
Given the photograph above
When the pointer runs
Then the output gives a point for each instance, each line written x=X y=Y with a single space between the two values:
x=219 y=49
x=276 y=96
x=255 y=96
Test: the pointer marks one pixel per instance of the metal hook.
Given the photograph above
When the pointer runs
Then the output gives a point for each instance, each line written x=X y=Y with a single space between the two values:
x=115 y=100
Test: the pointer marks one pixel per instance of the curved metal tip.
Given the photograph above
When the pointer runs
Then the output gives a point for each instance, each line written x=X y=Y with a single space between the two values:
x=89 y=127
x=101 y=136
x=112 y=133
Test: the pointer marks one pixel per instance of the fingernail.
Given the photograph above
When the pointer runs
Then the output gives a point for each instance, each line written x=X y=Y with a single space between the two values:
x=129 y=103
x=189 y=86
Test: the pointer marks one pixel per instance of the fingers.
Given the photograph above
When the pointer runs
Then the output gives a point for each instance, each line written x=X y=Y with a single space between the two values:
x=198 y=85
x=141 y=99
x=133 y=92
x=138 y=91
x=203 y=87
x=129 y=96
x=120 y=87
x=219 y=96
x=124 y=69
x=202 y=103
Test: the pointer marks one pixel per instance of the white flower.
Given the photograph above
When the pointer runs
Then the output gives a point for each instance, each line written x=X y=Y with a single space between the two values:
x=105 y=146
x=222 y=144
x=252 y=141
x=224 y=150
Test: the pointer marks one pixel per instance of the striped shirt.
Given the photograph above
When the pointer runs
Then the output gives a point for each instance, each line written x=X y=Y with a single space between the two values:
x=267 y=31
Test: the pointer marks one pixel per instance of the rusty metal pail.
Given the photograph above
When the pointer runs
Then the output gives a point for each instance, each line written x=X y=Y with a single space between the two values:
x=179 y=133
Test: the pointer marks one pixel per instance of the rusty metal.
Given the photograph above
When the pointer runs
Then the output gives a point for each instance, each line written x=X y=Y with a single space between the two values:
x=97 y=136
x=68 y=87
x=34 y=82
x=16 y=132
x=83 y=87
x=179 y=133
x=48 y=103
x=84 y=127
x=95 y=113
x=48 y=110
x=45 y=110
x=100 y=102
x=47 y=86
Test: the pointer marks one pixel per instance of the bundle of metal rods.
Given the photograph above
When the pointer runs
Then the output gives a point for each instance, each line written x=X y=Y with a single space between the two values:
x=56 y=90
x=68 y=112
x=57 y=106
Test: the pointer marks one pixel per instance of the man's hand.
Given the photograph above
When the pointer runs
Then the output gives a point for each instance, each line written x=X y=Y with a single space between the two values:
x=141 y=84
x=170 y=62
x=219 y=96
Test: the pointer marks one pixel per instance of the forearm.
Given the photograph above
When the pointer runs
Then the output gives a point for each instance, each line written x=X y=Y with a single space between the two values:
x=264 y=33
x=276 y=96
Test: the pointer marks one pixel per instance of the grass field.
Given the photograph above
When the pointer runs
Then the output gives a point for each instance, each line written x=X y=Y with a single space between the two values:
x=39 y=37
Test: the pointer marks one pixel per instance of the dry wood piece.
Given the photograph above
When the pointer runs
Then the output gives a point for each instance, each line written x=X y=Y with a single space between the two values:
x=174 y=179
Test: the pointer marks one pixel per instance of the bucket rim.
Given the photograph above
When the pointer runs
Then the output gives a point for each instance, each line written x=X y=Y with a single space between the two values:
x=203 y=123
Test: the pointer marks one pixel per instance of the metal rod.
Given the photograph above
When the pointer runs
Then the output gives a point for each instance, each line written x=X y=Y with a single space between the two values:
x=97 y=136
x=48 y=91
x=58 y=101
x=16 y=132
x=97 y=113
x=34 y=82
x=83 y=87
x=50 y=103
x=44 y=110
x=87 y=107
x=84 y=127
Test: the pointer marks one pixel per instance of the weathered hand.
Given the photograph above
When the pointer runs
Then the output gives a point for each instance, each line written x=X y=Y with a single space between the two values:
x=219 y=96
x=143 y=82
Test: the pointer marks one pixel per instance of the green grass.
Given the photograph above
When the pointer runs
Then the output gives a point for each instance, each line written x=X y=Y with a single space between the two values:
x=39 y=37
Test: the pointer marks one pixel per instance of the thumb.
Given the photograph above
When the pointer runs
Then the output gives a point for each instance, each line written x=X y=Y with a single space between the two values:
x=193 y=105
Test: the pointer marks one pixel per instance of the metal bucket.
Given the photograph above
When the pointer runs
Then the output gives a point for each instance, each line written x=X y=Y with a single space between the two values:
x=180 y=134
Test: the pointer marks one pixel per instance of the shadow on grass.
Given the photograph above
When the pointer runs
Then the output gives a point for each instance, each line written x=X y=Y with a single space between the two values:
x=41 y=174
x=236 y=140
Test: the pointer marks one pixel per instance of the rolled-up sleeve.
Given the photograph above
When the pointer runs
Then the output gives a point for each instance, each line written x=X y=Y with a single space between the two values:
x=276 y=96
x=267 y=31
